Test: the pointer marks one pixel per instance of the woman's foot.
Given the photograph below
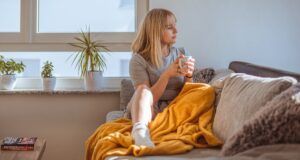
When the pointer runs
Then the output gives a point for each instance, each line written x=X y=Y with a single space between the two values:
x=141 y=135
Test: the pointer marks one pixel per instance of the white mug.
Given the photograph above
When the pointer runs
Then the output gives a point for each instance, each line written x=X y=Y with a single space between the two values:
x=183 y=60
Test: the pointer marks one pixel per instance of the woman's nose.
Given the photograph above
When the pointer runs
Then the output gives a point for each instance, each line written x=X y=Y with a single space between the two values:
x=175 y=30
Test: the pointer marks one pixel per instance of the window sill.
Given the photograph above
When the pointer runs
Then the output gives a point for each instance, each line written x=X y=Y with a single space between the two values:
x=69 y=85
x=56 y=92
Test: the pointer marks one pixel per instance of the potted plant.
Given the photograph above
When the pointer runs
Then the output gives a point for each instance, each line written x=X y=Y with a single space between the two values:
x=49 y=80
x=8 y=69
x=89 y=60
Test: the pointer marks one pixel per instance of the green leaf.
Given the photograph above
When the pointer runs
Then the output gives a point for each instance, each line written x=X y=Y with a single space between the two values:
x=90 y=56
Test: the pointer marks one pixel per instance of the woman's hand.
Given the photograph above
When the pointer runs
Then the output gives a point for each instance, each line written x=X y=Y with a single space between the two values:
x=174 y=70
x=188 y=67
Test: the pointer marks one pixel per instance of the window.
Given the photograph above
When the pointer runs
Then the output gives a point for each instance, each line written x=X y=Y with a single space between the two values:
x=38 y=30
x=10 y=16
x=117 y=63
x=100 y=15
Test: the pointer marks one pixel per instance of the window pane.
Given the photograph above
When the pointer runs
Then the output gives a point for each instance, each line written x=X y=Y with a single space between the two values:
x=56 y=16
x=117 y=63
x=9 y=15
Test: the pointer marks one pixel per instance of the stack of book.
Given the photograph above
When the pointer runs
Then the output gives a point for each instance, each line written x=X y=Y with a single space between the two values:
x=18 y=143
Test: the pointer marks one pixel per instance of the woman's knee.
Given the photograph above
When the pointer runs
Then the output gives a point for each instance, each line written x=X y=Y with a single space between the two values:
x=141 y=87
x=143 y=92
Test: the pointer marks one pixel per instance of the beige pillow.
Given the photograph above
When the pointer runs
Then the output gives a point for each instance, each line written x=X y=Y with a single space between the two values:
x=220 y=74
x=242 y=95
x=277 y=122
x=217 y=82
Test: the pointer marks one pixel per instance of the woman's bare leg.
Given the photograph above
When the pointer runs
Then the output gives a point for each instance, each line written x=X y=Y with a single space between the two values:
x=141 y=114
x=142 y=102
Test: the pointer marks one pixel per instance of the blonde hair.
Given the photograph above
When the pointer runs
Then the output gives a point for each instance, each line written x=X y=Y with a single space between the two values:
x=149 y=37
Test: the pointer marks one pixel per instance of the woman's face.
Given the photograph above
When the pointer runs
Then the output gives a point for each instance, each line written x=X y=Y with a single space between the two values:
x=170 y=31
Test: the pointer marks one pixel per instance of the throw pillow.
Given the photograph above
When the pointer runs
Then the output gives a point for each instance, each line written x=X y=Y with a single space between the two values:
x=217 y=80
x=277 y=122
x=220 y=74
x=242 y=95
x=126 y=92
x=203 y=75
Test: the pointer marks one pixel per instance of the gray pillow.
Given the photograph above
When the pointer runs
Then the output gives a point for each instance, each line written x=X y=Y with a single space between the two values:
x=126 y=92
x=277 y=122
x=242 y=95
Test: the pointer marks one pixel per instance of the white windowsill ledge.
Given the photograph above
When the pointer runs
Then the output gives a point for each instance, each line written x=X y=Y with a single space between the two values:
x=63 y=86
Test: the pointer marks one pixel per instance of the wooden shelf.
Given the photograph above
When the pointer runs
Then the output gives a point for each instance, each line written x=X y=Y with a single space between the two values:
x=36 y=154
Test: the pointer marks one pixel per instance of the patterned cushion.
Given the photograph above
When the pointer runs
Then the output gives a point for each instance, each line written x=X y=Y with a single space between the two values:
x=203 y=75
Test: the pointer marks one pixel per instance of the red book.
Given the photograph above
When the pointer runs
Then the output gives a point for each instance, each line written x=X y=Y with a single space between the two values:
x=18 y=143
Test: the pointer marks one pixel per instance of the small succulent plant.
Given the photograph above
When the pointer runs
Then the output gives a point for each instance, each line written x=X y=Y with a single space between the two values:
x=47 y=70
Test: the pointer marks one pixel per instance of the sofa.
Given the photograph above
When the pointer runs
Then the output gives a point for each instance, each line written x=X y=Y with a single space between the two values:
x=248 y=125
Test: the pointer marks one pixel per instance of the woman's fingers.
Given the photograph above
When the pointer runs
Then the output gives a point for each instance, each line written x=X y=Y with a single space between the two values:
x=189 y=65
x=188 y=68
x=180 y=71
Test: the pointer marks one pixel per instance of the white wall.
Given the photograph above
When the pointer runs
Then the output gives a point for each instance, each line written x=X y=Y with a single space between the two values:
x=265 y=32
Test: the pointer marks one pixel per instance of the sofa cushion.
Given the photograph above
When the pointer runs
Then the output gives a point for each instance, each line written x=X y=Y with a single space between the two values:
x=113 y=115
x=277 y=122
x=193 y=154
x=126 y=93
x=203 y=75
x=242 y=95
x=220 y=75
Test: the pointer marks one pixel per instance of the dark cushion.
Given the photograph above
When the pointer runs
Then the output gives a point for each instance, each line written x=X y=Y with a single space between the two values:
x=203 y=75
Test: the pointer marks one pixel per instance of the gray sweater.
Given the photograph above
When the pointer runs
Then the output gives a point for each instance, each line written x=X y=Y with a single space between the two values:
x=140 y=71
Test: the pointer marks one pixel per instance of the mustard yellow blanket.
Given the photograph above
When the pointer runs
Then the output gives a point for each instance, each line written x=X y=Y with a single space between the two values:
x=186 y=123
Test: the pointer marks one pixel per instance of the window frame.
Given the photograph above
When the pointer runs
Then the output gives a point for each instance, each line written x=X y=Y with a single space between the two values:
x=28 y=40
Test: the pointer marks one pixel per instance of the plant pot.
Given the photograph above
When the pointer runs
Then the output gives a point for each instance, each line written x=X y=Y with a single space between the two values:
x=49 y=84
x=7 y=82
x=93 y=80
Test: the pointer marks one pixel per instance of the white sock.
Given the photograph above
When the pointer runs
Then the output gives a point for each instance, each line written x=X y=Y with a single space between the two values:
x=141 y=135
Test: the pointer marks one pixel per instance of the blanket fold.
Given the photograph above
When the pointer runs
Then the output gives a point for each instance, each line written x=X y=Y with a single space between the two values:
x=185 y=124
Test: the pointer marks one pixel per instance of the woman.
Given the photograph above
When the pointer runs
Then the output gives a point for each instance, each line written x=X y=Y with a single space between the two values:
x=155 y=71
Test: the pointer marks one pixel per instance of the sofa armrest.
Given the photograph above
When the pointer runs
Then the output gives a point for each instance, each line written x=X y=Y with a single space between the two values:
x=114 y=115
